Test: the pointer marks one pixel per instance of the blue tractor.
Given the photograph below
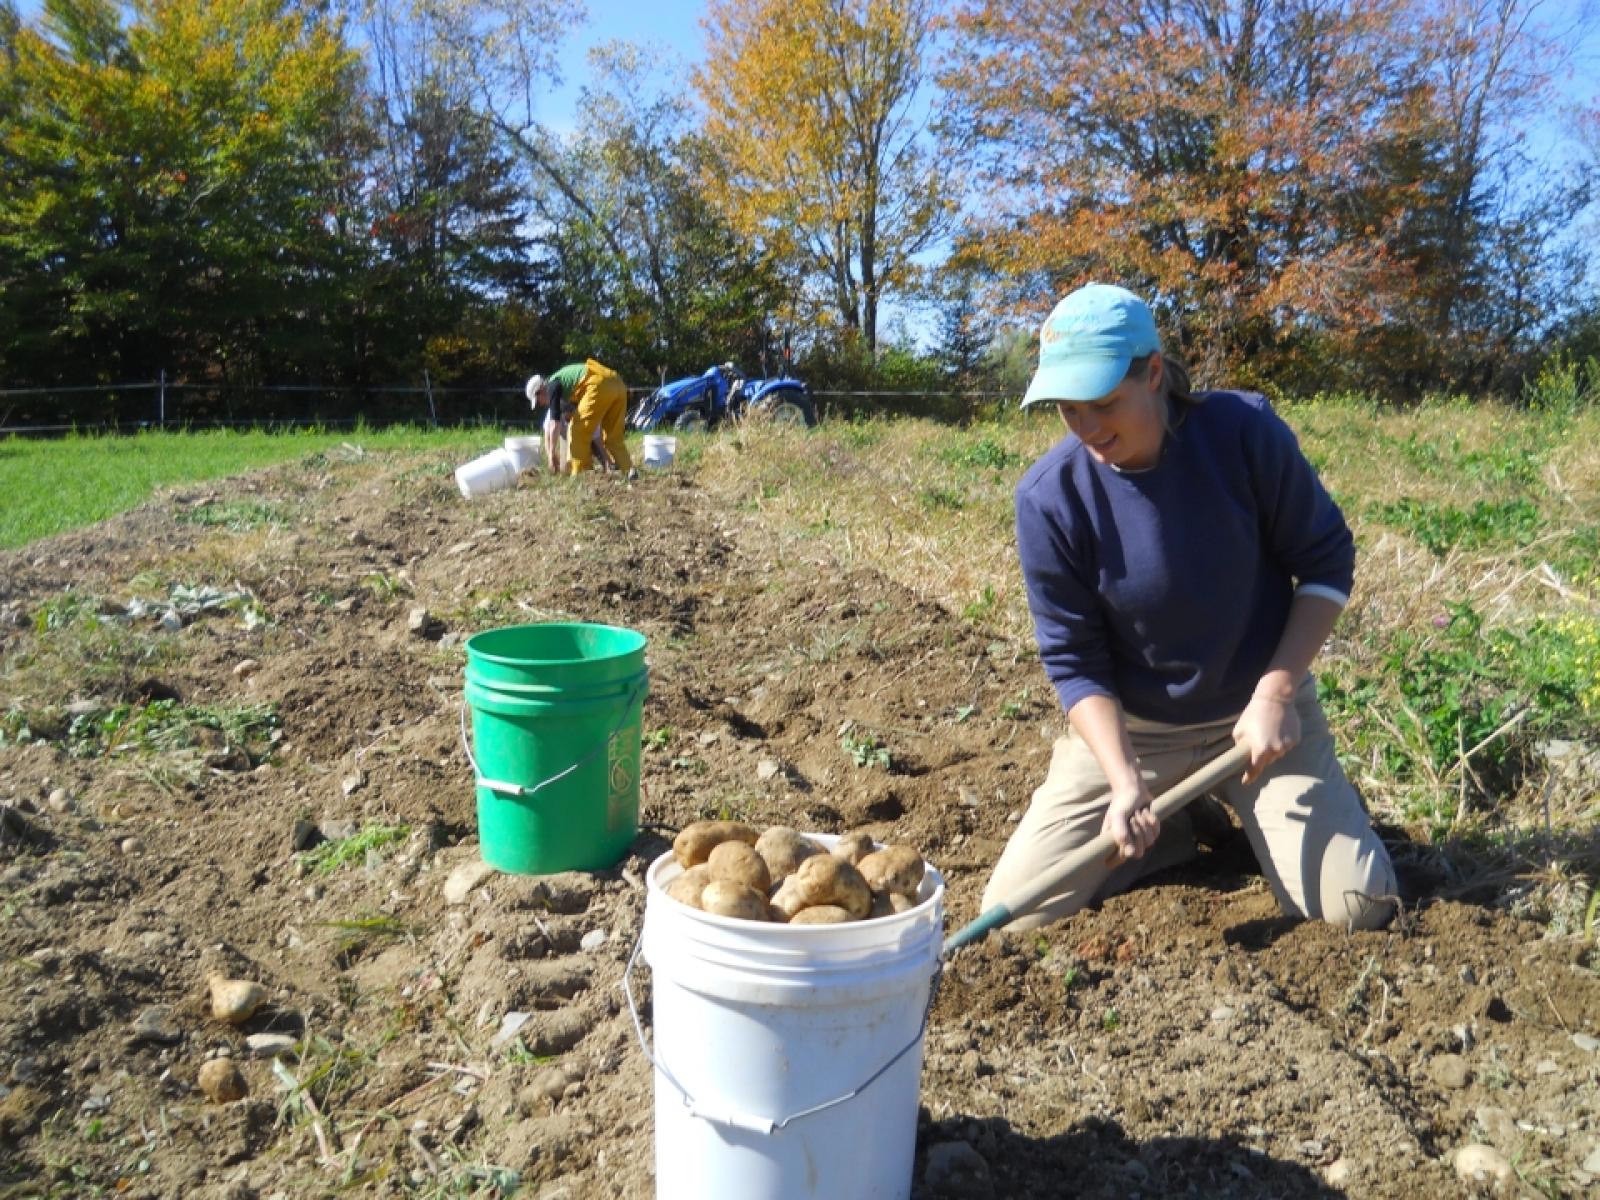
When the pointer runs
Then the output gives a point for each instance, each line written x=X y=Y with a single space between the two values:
x=723 y=394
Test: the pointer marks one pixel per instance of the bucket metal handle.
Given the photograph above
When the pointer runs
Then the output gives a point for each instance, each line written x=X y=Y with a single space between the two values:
x=755 y=1124
x=519 y=790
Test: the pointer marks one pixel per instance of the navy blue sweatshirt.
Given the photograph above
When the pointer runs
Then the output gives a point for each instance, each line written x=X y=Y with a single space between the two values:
x=1169 y=588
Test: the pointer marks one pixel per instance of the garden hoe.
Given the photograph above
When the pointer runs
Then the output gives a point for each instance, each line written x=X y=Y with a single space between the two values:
x=1052 y=881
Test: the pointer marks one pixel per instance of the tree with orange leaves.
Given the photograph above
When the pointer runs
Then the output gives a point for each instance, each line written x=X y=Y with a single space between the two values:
x=1222 y=156
x=818 y=107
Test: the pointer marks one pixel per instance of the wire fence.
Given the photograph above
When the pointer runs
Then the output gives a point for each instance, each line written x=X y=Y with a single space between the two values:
x=163 y=404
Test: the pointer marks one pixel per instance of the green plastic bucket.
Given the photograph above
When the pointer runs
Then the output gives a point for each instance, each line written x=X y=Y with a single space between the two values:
x=556 y=713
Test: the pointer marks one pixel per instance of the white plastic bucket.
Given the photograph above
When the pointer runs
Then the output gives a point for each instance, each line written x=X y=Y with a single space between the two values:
x=492 y=472
x=787 y=1056
x=659 y=450
x=524 y=450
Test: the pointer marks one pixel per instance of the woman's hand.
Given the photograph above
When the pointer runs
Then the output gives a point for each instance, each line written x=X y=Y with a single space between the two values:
x=1270 y=727
x=1130 y=820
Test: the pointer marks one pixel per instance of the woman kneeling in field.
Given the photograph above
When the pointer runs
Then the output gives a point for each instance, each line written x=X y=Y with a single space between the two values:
x=1184 y=565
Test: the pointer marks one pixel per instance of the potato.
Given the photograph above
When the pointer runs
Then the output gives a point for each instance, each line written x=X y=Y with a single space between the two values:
x=235 y=1000
x=824 y=879
x=853 y=847
x=823 y=914
x=738 y=863
x=686 y=888
x=723 y=898
x=893 y=869
x=784 y=850
x=787 y=898
x=694 y=844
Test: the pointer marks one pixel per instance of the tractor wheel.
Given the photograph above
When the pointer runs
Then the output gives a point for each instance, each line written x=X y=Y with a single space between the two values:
x=793 y=409
x=693 y=421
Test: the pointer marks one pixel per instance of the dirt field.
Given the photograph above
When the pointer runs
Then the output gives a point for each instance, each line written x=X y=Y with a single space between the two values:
x=1181 y=1041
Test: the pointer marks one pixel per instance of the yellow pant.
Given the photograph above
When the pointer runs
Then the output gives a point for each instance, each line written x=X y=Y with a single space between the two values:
x=600 y=401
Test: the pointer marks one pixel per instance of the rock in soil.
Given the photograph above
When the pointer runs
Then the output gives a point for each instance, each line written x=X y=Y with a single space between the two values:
x=221 y=1081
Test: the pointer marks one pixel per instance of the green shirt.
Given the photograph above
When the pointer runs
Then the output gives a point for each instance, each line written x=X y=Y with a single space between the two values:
x=560 y=386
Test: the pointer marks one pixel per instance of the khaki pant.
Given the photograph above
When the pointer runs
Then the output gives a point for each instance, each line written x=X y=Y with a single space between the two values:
x=600 y=401
x=1305 y=822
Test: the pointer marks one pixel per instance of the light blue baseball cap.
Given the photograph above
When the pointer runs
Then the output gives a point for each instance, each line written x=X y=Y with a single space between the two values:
x=1088 y=342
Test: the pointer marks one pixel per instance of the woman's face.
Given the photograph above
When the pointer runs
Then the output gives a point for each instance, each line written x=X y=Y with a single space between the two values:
x=1126 y=427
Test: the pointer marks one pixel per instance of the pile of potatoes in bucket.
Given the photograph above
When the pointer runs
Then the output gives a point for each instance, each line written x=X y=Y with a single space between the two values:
x=783 y=877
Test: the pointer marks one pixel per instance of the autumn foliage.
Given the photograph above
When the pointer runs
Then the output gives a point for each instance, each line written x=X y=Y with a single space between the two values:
x=1279 y=175
x=815 y=106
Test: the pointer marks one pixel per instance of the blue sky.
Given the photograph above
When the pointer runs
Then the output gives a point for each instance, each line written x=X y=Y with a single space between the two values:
x=670 y=26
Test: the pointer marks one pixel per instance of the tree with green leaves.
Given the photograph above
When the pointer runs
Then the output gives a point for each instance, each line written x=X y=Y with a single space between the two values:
x=170 y=187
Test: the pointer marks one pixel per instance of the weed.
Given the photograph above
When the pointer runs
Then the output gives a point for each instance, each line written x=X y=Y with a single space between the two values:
x=864 y=749
x=386 y=587
x=518 y=1052
x=1442 y=527
x=658 y=739
x=237 y=516
x=165 y=726
x=985 y=453
x=328 y=857
x=1013 y=710
x=1072 y=977
x=1110 y=1020
x=980 y=608
x=69 y=608
x=356 y=934
x=939 y=497
x=965 y=711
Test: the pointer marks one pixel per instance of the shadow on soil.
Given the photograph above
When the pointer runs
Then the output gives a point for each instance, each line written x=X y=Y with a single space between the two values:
x=1096 y=1158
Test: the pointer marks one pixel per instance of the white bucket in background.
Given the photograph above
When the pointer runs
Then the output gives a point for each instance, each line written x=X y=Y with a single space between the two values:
x=787 y=1057
x=524 y=450
x=659 y=450
x=492 y=472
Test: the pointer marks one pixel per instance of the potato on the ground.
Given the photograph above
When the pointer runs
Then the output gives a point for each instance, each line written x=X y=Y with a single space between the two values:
x=739 y=863
x=724 y=898
x=853 y=847
x=825 y=879
x=823 y=914
x=695 y=843
x=686 y=888
x=784 y=850
x=893 y=869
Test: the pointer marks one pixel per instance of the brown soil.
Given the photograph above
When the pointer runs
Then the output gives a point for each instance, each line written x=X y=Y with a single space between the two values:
x=1181 y=1041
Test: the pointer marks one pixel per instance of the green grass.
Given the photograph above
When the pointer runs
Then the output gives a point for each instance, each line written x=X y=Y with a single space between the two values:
x=330 y=856
x=65 y=483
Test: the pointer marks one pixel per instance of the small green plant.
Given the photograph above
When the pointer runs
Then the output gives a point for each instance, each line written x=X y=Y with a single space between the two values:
x=985 y=454
x=1441 y=527
x=165 y=726
x=1013 y=710
x=1071 y=978
x=69 y=608
x=328 y=857
x=356 y=934
x=518 y=1052
x=386 y=587
x=658 y=739
x=1110 y=1020
x=980 y=608
x=864 y=749
x=965 y=712
x=237 y=516
x=941 y=498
